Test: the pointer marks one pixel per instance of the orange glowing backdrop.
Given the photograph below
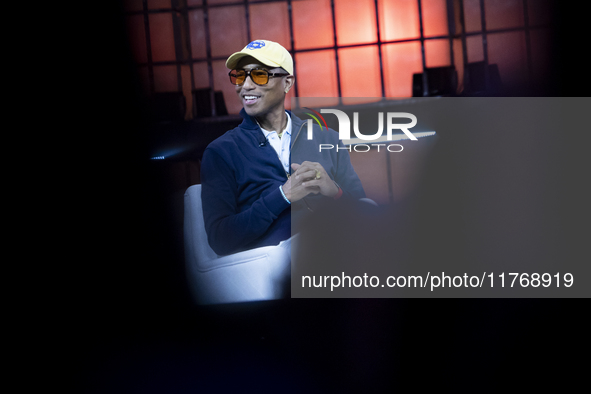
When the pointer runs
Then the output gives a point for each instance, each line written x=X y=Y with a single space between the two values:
x=355 y=48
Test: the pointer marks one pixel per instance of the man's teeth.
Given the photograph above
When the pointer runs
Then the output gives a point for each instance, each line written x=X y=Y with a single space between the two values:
x=251 y=97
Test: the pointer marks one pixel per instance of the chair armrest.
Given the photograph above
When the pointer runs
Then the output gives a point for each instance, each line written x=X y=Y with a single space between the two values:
x=254 y=275
x=240 y=258
x=369 y=201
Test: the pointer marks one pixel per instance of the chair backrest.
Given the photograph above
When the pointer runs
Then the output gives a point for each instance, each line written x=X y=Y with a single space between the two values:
x=196 y=244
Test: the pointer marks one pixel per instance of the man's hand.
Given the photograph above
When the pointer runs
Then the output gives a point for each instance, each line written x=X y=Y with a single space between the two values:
x=304 y=181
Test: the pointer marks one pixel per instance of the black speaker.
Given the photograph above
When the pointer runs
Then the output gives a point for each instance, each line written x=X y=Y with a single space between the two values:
x=475 y=78
x=442 y=81
x=202 y=100
x=220 y=104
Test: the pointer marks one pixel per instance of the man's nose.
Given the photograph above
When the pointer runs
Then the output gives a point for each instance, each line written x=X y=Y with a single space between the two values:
x=248 y=83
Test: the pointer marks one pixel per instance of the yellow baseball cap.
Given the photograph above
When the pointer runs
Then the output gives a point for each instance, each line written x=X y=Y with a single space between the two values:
x=267 y=52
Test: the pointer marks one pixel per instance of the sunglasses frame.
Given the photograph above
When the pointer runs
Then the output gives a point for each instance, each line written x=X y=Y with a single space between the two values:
x=248 y=74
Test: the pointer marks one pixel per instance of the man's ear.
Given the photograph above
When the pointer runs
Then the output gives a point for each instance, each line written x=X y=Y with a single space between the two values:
x=288 y=83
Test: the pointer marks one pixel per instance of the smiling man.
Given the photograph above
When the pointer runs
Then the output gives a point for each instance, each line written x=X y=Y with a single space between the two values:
x=252 y=175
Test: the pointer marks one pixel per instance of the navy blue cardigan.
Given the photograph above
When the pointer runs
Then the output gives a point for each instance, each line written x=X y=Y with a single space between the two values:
x=242 y=205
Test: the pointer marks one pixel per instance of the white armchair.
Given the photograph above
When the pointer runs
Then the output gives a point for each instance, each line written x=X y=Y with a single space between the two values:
x=253 y=275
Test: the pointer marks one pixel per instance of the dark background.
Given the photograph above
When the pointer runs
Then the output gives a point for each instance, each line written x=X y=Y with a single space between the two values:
x=125 y=321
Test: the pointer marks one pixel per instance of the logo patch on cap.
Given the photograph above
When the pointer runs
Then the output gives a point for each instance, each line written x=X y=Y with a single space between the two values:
x=256 y=44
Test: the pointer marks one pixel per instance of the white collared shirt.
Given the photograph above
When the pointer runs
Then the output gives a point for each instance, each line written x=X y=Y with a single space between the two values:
x=281 y=145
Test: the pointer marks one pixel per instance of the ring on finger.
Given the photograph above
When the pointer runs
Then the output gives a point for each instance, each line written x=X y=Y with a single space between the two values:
x=317 y=174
